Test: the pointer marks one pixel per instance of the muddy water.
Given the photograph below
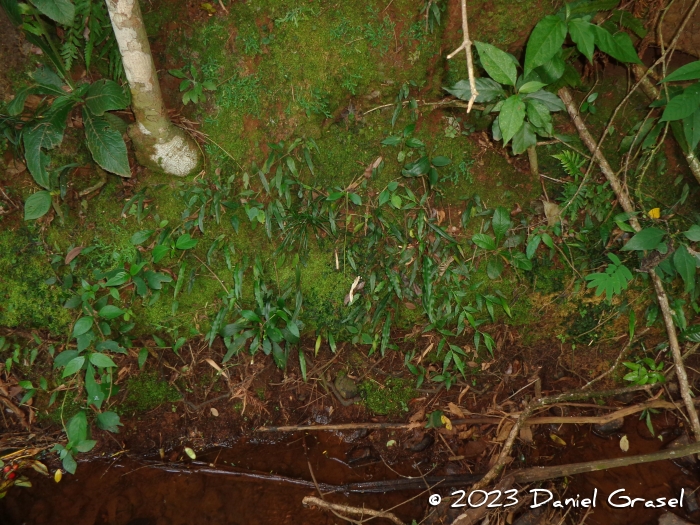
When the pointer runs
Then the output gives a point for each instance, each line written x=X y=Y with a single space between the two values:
x=124 y=491
x=662 y=479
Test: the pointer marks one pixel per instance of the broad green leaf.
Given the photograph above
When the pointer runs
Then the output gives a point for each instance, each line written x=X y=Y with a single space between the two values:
x=683 y=105
x=250 y=316
x=531 y=87
x=583 y=36
x=544 y=42
x=61 y=11
x=335 y=196
x=511 y=117
x=119 y=278
x=539 y=116
x=685 y=266
x=155 y=280
x=532 y=246
x=392 y=141
x=102 y=360
x=618 y=46
x=50 y=82
x=73 y=366
x=693 y=233
x=484 y=241
x=95 y=394
x=414 y=143
x=524 y=138
x=501 y=222
x=355 y=199
x=110 y=312
x=687 y=72
x=16 y=105
x=64 y=358
x=417 y=168
x=109 y=421
x=552 y=70
x=488 y=90
x=111 y=346
x=440 y=161
x=37 y=205
x=82 y=326
x=140 y=237
x=494 y=268
x=40 y=136
x=691 y=129
x=159 y=252
x=647 y=239
x=550 y=100
x=106 y=145
x=77 y=427
x=105 y=95
x=498 y=64
x=185 y=242
x=86 y=445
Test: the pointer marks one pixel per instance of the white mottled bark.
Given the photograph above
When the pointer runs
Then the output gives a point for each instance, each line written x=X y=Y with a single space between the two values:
x=159 y=144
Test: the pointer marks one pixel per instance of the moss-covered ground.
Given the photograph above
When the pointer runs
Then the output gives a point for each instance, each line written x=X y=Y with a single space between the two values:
x=306 y=94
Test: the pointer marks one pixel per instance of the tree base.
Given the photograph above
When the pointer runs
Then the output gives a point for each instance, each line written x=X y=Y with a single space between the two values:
x=173 y=153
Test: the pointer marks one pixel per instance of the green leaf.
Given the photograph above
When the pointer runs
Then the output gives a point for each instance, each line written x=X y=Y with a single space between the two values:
x=484 y=241
x=494 y=268
x=647 y=239
x=16 y=105
x=498 y=64
x=550 y=100
x=73 y=366
x=143 y=355
x=501 y=222
x=159 y=252
x=524 y=138
x=440 y=161
x=396 y=201
x=86 y=445
x=618 y=46
x=105 y=95
x=102 y=360
x=110 y=345
x=683 y=105
x=685 y=265
x=583 y=35
x=110 y=312
x=414 y=143
x=687 y=72
x=185 y=242
x=511 y=117
x=544 y=42
x=335 y=196
x=61 y=11
x=302 y=364
x=417 y=168
x=355 y=199
x=691 y=129
x=50 y=82
x=106 y=145
x=119 y=278
x=693 y=233
x=155 y=280
x=37 y=205
x=109 y=421
x=530 y=87
x=69 y=464
x=95 y=394
x=140 y=237
x=82 y=326
x=43 y=135
x=392 y=141
x=250 y=316
x=488 y=90
x=539 y=116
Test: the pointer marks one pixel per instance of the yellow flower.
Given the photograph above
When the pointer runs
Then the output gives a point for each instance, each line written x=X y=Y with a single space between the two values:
x=655 y=213
x=446 y=421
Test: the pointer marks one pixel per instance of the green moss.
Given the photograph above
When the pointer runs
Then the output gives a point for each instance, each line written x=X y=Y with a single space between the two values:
x=391 y=398
x=61 y=411
x=147 y=391
x=26 y=298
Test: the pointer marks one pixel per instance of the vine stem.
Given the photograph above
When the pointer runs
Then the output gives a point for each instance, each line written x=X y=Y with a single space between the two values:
x=467 y=46
x=661 y=297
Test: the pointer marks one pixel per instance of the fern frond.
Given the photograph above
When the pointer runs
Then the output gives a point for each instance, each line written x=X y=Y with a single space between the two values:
x=572 y=162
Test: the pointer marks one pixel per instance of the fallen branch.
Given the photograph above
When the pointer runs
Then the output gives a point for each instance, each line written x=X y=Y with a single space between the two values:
x=619 y=359
x=467 y=46
x=661 y=297
x=542 y=473
x=357 y=511
x=487 y=420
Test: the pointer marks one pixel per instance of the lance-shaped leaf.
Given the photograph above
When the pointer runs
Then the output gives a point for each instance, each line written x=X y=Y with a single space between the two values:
x=512 y=117
x=545 y=41
x=498 y=64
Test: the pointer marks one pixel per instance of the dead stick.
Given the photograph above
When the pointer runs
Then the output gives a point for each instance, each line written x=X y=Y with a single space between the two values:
x=545 y=420
x=357 y=511
x=467 y=46
x=541 y=473
x=661 y=297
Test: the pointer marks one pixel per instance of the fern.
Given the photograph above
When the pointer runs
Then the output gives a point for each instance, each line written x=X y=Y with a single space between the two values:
x=615 y=278
x=571 y=162
x=75 y=34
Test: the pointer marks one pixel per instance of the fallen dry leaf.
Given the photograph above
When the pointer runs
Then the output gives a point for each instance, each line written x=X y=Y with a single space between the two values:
x=557 y=440
x=455 y=410
x=526 y=434
x=624 y=443
x=504 y=431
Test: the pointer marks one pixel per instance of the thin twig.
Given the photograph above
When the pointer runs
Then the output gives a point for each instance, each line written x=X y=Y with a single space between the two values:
x=467 y=46
x=358 y=511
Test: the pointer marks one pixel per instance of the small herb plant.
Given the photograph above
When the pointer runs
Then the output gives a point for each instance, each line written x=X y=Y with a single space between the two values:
x=645 y=371
x=193 y=84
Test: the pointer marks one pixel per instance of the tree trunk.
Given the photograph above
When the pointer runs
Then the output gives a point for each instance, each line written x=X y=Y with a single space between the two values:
x=159 y=144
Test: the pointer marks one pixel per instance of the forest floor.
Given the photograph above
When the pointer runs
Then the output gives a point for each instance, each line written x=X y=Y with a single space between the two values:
x=308 y=96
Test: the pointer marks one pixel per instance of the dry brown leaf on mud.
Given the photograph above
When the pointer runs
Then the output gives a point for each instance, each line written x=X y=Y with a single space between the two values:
x=624 y=443
x=466 y=434
x=553 y=213
x=217 y=368
x=455 y=410
x=462 y=394
x=526 y=434
x=503 y=431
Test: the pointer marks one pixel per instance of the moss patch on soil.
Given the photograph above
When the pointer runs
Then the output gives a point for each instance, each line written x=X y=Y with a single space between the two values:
x=391 y=398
